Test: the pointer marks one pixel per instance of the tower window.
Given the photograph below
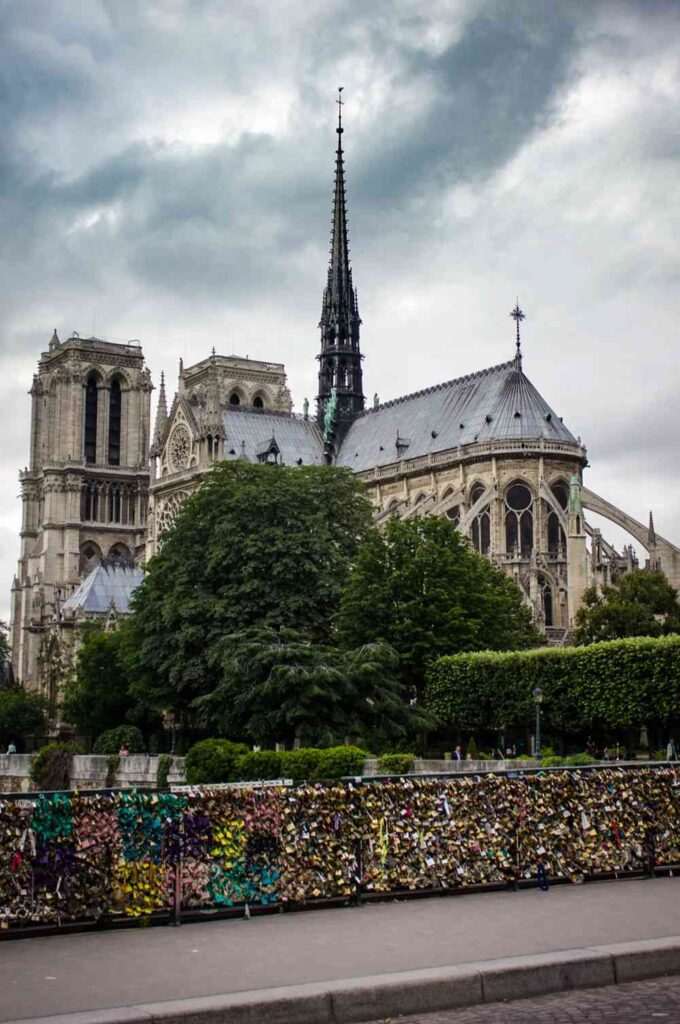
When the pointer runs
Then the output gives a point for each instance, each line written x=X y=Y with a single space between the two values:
x=481 y=524
x=234 y=399
x=519 y=520
x=115 y=407
x=91 y=400
x=258 y=403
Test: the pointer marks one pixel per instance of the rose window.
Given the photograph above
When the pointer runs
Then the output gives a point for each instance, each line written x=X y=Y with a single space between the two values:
x=179 y=449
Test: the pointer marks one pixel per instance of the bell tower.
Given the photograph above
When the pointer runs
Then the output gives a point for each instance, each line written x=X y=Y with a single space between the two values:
x=85 y=489
x=340 y=395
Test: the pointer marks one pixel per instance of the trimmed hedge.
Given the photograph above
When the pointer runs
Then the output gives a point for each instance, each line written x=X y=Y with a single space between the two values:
x=334 y=762
x=396 y=764
x=51 y=769
x=213 y=761
x=112 y=740
x=300 y=764
x=620 y=684
x=259 y=764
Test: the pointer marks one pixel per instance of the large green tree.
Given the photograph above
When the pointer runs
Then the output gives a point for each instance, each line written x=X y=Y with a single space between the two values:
x=21 y=714
x=277 y=685
x=255 y=545
x=418 y=586
x=99 y=698
x=642 y=604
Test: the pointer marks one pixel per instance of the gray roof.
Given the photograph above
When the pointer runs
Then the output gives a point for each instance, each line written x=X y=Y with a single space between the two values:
x=491 y=405
x=104 y=586
x=248 y=432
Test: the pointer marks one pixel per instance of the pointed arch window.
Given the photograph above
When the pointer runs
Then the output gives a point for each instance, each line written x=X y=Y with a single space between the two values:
x=481 y=524
x=115 y=411
x=234 y=399
x=91 y=402
x=556 y=539
x=546 y=601
x=519 y=520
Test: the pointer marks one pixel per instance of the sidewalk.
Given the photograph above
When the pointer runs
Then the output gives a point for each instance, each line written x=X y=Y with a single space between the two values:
x=83 y=972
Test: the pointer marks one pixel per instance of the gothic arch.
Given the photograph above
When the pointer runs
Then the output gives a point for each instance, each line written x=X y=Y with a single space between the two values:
x=89 y=557
x=236 y=396
x=262 y=396
x=120 y=373
x=518 y=517
x=120 y=552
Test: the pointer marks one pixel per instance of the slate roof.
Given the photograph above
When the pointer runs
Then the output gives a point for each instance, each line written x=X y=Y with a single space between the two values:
x=248 y=432
x=491 y=405
x=104 y=585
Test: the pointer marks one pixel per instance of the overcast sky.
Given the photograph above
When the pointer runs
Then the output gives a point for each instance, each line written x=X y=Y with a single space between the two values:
x=166 y=173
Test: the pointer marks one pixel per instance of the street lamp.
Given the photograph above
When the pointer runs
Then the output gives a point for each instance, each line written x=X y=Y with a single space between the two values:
x=538 y=700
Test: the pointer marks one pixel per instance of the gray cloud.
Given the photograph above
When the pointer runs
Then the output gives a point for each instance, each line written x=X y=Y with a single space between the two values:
x=166 y=173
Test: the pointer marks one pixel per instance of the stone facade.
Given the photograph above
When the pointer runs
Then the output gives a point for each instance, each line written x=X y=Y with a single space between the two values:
x=84 y=492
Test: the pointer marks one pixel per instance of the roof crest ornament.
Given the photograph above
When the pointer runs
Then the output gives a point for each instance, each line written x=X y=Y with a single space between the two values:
x=517 y=315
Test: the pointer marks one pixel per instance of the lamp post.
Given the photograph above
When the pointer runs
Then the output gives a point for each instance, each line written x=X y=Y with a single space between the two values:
x=538 y=700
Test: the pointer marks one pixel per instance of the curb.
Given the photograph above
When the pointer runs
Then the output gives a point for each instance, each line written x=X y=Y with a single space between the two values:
x=354 y=1000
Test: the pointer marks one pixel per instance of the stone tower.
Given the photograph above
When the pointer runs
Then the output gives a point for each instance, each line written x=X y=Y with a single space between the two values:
x=85 y=490
x=340 y=395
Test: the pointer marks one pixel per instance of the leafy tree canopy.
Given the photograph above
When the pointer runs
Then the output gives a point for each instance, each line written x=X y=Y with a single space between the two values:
x=643 y=604
x=276 y=685
x=5 y=652
x=418 y=586
x=99 y=699
x=21 y=714
x=255 y=545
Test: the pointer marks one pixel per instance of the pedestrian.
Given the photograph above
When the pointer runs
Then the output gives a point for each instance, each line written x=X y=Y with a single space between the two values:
x=11 y=749
x=671 y=752
x=458 y=753
x=124 y=751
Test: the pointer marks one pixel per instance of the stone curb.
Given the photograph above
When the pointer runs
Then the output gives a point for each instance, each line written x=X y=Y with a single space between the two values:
x=354 y=1000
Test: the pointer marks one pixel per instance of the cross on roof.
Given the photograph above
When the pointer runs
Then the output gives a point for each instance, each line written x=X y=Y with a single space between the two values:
x=517 y=315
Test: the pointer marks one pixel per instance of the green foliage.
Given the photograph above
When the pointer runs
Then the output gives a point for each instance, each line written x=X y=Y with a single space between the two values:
x=5 y=652
x=300 y=764
x=258 y=765
x=619 y=684
x=51 y=769
x=643 y=603
x=418 y=586
x=99 y=699
x=552 y=761
x=276 y=685
x=111 y=741
x=213 y=761
x=472 y=749
x=547 y=751
x=396 y=764
x=112 y=766
x=574 y=760
x=21 y=714
x=163 y=770
x=334 y=762
x=255 y=545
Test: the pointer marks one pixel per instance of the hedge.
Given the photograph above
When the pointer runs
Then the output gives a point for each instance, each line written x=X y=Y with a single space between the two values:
x=111 y=741
x=213 y=761
x=617 y=684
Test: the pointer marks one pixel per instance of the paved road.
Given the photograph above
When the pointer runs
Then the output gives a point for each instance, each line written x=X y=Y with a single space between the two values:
x=644 y=1002
x=66 y=973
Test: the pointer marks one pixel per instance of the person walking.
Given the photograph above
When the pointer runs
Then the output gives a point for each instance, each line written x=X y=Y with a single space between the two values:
x=458 y=753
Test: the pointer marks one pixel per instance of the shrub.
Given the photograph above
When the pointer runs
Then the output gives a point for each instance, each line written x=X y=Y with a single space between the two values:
x=111 y=741
x=163 y=770
x=112 y=766
x=552 y=761
x=472 y=749
x=334 y=762
x=300 y=764
x=618 y=684
x=213 y=761
x=21 y=714
x=578 y=759
x=51 y=769
x=259 y=764
x=548 y=752
x=396 y=764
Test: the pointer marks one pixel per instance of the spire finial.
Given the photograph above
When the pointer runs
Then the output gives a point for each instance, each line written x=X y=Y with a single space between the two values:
x=651 y=532
x=517 y=315
x=340 y=104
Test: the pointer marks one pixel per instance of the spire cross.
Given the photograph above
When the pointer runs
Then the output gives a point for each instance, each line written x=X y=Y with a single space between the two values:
x=517 y=315
x=340 y=103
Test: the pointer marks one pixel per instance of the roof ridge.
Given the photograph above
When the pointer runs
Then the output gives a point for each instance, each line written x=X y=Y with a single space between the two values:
x=440 y=387
x=281 y=413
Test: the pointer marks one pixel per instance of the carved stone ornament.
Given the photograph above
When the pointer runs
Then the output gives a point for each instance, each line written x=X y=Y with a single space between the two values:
x=179 y=448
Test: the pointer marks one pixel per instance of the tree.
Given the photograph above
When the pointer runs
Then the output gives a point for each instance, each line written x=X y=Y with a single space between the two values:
x=419 y=587
x=643 y=604
x=100 y=698
x=255 y=545
x=5 y=652
x=21 y=714
x=277 y=686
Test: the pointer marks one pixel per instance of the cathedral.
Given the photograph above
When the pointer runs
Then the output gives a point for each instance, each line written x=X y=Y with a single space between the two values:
x=485 y=450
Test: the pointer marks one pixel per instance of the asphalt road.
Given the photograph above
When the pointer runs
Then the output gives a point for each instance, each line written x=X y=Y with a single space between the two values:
x=67 y=973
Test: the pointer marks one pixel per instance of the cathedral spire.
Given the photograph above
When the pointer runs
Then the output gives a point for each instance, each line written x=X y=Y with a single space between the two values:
x=340 y=377
x=161 y=418
x=517 y=315
x=651 y=532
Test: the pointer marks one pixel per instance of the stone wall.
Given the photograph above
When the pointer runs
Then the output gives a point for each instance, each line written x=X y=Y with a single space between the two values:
x=89 y=772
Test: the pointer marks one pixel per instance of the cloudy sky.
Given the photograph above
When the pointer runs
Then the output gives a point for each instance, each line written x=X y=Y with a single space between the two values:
x=166 y=172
